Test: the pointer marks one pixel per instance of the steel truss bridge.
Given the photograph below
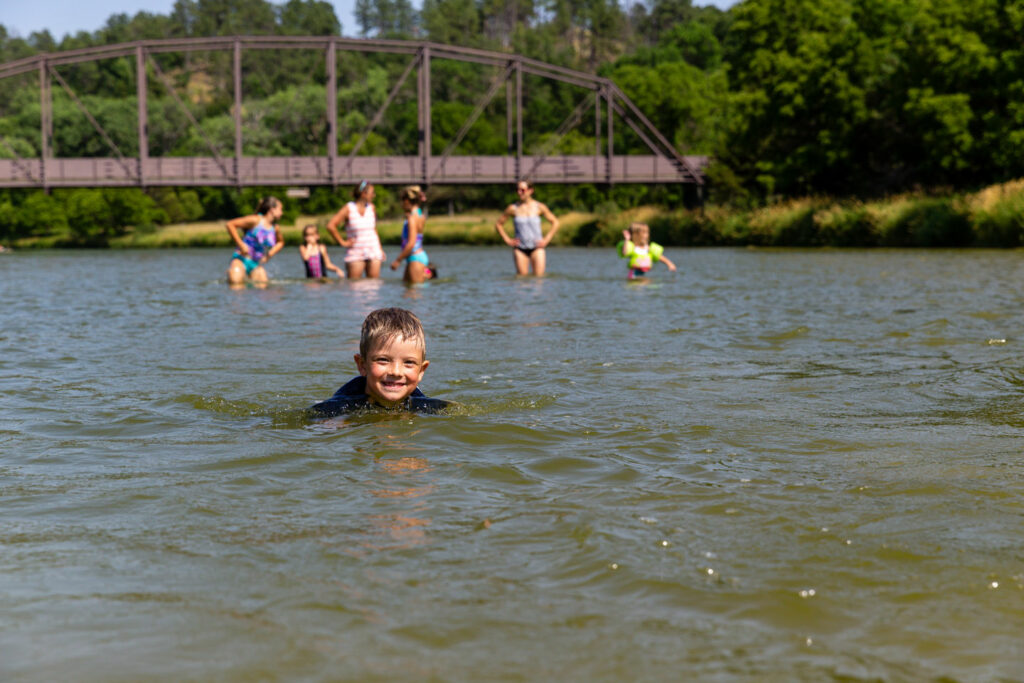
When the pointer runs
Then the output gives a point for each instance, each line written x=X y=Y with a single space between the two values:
x=664 y=164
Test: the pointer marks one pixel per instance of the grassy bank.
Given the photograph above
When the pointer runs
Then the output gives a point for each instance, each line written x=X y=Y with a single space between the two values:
x=993 y=217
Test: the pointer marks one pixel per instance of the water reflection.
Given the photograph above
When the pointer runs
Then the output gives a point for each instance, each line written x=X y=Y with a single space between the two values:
x=405 y=527
x=399 y=487
x=365 y=295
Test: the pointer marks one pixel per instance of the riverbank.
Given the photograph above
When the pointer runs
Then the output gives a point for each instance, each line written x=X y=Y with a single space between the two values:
x=476 y=228
x=992 y=217
x=468 y=228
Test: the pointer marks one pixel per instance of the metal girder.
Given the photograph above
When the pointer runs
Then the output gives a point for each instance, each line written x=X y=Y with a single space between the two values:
x=18 y=161
x=570 y=122
x=88 y=115
x=657 y=134
x=380 y=112
x=188 y=113
x=690 y=168
x=479 y=109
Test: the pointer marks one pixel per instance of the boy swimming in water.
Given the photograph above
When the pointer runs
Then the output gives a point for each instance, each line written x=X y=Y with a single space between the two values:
x=391 y=363
x=641 y=252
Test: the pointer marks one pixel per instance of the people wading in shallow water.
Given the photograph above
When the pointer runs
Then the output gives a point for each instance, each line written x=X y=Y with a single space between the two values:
x=314 y=255
x=257 y=238
x=412 y=253
x=529 y=243
x=360 y=220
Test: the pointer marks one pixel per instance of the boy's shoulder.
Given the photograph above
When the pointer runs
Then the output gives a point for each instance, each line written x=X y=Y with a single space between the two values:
x=352 y=397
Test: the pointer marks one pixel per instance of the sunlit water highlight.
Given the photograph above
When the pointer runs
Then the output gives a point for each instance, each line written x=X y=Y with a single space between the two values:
x=785 y=465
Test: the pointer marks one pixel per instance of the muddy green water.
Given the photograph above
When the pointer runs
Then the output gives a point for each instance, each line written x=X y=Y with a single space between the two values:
x=773 y=465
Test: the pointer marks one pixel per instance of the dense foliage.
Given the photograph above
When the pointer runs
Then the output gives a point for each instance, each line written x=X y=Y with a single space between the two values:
x=791 y=97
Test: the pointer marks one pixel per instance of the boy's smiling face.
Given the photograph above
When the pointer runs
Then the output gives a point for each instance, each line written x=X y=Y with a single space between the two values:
x=392 y=370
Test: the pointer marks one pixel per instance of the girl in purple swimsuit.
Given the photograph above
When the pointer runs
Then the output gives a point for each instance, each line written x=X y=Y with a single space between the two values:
x=314 y=255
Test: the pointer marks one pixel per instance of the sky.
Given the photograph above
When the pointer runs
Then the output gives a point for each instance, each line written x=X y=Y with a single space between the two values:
x=60 y=17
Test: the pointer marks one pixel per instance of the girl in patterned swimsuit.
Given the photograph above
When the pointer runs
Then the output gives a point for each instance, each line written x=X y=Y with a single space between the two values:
x=314 y=255
x=260 y=241
x=364 y=251
x=529 y=243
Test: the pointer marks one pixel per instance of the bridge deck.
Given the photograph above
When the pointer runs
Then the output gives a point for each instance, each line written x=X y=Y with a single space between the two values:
x=186 y=171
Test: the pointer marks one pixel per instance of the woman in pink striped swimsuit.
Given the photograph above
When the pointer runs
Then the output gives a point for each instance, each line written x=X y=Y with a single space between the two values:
x=360 y=220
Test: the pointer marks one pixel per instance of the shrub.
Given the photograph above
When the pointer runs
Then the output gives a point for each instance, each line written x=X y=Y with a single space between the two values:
x=42 y=214
x=929 y=222
x=997 y=215
x=846 y=225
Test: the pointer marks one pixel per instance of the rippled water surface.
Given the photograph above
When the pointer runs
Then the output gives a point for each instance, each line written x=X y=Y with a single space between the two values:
x=783 y=465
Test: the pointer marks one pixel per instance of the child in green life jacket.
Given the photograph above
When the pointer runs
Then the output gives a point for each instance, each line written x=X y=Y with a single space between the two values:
x=641 y=252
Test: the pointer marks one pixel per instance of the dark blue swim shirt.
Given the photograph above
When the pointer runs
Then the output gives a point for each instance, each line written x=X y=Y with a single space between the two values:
x=352 y=397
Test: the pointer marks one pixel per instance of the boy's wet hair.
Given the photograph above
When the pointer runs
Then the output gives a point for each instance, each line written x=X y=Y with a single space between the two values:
x=385 y=324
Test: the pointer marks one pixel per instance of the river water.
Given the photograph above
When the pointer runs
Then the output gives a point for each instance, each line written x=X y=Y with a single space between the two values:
x=771 y=465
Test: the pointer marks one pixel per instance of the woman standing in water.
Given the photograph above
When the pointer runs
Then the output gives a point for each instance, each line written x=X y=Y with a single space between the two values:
x=260 y=241
x=360 y=220
x=529 y=243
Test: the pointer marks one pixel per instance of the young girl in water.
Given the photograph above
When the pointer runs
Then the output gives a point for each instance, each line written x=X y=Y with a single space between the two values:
x=314 y=254
x=636 y=245
x=360 y=220
x=260 y=241
x=416 y=268
x=529 y=243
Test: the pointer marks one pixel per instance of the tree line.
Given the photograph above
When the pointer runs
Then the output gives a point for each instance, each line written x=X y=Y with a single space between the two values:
x=851 y=98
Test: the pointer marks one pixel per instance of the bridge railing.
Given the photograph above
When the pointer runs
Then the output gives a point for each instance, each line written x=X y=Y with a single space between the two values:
x=305 y=170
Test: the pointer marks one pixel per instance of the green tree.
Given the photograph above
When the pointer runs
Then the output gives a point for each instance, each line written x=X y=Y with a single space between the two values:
x=386 y=18
x=452 y=22
x=40 y=214
x=799 y=69
x=309 y=18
